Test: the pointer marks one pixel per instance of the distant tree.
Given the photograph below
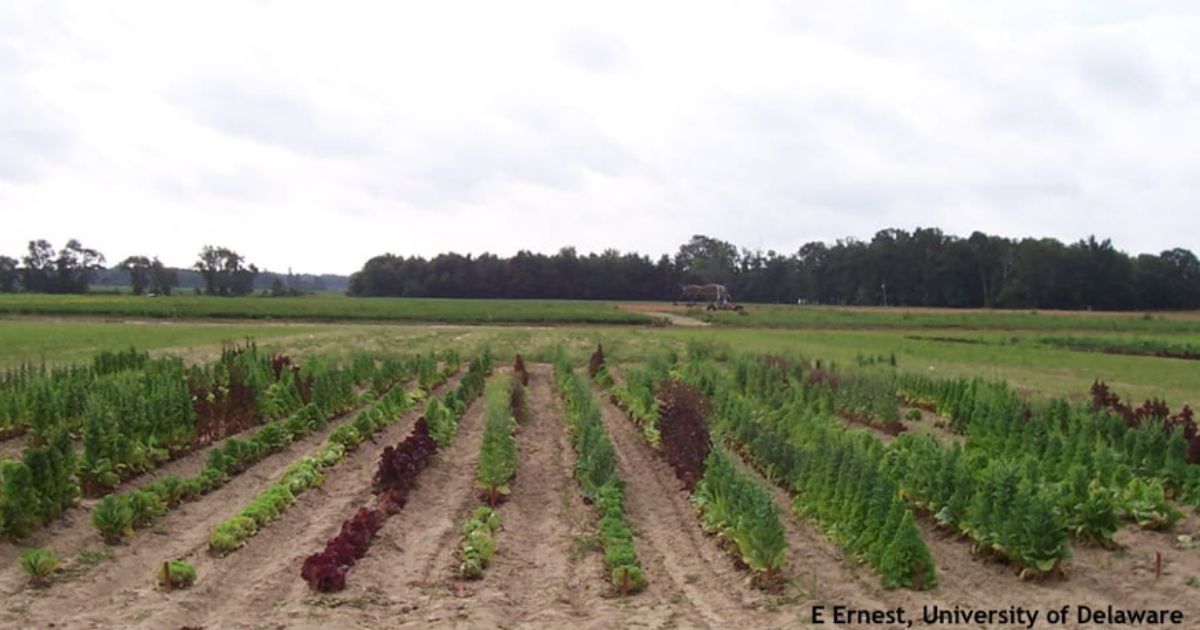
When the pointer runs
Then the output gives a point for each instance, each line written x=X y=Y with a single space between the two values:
x=66 y=271
x=224 y=271
x=1181 y=279
x=138 y=268
x=8 y=274
x=37 y=275
x=74 y=267
x=281 y=288
x=162 y=279
x=1106 y=276
x=704 y=260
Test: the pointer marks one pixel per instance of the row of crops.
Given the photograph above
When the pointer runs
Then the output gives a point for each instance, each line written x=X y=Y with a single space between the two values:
x=503 y=406
x=596 y=472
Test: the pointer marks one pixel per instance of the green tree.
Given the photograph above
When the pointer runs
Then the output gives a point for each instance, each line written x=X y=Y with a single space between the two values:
x=74 y=267
x=138 y=268
x=225 y=272
x=162 y=279
x=8 y=274
x=37 y=275
x=705 y=260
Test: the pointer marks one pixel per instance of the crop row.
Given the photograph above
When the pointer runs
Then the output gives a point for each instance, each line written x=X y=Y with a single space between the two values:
x=498 y=450
x=504 y=406
x=595 y=470
x=674 y=419
x=635 y=396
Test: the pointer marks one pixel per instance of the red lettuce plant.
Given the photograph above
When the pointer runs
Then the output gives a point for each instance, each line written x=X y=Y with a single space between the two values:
x=326 y=571
x=685 y=440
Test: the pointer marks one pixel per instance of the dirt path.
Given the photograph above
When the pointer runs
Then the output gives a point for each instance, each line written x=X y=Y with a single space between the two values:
x=13 y=447
x=121 y=591
x=680 y=320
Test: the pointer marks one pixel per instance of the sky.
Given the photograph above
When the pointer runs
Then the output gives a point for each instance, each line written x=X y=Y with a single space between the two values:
x=314 y=135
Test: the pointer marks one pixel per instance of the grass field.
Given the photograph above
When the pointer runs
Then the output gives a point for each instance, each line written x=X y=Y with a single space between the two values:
x=65 y=341
x=789 y=316
x=324 y=307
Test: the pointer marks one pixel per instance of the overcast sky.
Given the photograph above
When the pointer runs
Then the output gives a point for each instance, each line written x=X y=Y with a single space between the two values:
x=315 y=135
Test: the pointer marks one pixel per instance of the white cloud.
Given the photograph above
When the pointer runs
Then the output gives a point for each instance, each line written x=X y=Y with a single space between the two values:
x=314 y=135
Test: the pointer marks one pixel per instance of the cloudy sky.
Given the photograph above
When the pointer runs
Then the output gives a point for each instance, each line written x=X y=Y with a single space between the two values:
x=314 y=135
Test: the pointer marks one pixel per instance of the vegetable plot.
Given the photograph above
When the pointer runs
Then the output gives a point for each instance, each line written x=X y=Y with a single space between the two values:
x=325 y=571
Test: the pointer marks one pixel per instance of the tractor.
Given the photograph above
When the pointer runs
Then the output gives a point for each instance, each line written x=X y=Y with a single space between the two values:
x=716 y=295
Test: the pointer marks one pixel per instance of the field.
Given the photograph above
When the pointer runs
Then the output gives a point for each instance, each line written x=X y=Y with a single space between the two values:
x=596 y=467
x=787 y=316
x=322 y=307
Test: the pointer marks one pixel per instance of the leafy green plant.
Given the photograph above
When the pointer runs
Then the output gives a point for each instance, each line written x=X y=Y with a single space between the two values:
x=39 y=564
x=114 y=518
x=733 y=506
x=176 y=574
x=477 y=546
x=1145 y=503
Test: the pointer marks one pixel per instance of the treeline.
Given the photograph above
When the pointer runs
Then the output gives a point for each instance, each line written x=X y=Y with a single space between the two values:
x=925 y=267
x=217 y=271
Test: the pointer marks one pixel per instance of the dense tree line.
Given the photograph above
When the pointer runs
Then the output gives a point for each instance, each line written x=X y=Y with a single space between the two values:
x=565 y=275
x=925 y=267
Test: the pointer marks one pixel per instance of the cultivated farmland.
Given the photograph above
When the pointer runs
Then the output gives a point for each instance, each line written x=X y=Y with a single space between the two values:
x=418 y=476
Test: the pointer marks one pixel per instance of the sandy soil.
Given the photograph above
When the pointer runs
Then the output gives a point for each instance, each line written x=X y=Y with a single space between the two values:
x=547 y=572
x=13 y=447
